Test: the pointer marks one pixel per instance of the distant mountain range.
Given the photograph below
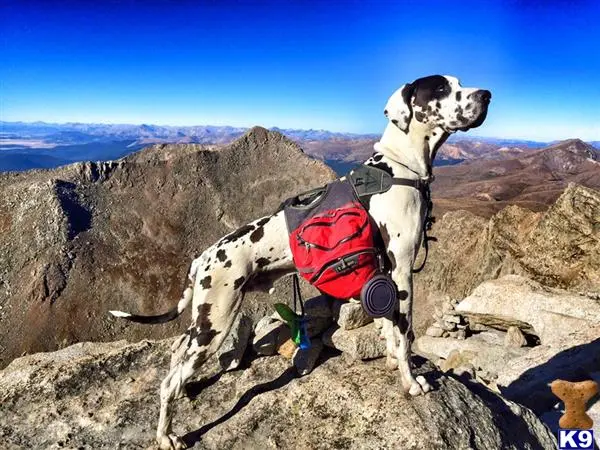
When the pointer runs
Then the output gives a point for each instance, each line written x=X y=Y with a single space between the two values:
x=79 y=133
x=532 y=179
x=25 y=146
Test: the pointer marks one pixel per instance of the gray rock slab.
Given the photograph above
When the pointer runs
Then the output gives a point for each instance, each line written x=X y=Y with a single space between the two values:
x=361 y=343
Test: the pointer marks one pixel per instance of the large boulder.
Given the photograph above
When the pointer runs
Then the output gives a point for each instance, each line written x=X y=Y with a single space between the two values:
x=359 y=343
x=546 y=312
x=518 y=365
x=105 y=396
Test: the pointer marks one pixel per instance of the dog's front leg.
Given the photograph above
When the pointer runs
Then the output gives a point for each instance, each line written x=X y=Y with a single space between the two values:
x=398 y=333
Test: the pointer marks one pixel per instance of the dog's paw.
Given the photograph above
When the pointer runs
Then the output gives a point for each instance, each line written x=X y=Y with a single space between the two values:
x=391 y=363
x=170 y=442
x=419 y=386
x=424 y=384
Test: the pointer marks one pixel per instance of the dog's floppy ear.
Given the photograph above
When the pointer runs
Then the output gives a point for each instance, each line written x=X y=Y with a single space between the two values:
x=398 y=108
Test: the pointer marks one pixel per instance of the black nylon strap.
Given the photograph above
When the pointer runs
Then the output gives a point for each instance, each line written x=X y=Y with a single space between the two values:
x=417 y=184
x=370 y=180
x=297 y=295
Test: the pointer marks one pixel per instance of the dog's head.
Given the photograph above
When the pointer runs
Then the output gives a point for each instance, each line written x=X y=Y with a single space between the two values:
x=438 y=101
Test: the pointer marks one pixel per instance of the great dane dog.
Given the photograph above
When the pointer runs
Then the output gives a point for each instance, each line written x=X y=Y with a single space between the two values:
x=421 y=116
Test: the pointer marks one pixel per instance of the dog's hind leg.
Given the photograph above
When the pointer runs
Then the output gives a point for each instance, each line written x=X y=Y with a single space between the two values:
x=223 y=272
x=213 y=318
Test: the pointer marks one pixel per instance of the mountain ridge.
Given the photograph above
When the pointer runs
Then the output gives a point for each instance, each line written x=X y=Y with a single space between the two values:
x=88 y=237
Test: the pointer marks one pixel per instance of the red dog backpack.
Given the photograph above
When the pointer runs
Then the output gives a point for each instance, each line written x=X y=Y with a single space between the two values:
x=335 y=244
x=332 y=238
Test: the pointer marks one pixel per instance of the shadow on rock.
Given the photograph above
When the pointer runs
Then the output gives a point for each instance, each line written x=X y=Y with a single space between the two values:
x=288 y=375
x=193 y=389
x=574 y=364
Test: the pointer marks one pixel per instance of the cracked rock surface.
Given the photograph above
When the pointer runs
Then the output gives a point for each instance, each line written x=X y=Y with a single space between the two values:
x=105 y=396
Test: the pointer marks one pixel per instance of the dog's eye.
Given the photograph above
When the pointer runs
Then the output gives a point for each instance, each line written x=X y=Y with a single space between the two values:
x=440 y=89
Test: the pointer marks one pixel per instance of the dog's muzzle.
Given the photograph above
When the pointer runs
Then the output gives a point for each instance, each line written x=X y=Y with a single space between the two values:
x=481 y=98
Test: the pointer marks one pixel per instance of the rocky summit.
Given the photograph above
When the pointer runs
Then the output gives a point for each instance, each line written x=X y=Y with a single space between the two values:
x=105 y=396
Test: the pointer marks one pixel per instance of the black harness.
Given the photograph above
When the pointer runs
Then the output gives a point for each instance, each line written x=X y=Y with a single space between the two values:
x=369 y=180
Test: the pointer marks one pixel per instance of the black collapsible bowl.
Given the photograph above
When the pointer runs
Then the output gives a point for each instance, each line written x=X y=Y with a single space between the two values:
x=378 y=296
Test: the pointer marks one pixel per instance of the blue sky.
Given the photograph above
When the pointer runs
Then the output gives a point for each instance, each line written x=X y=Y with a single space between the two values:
x=298 y=64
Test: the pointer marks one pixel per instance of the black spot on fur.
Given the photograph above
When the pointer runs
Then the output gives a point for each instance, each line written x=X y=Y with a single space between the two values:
x=402 y=295
x=435 y=87
x=203 y=333
x=206 y=282
x=263 y=221
x=203 y=313
x=402 y=322
x=458 y=96
x=262 y=262
x=383 y=166
x=407 y=93
x=221 y=255
x=207 y=268
x=438 y=105
x=385 y=111
x=392 y=259
x=257 y=234
x=271 y=249
x=377 y=157
x=205 y=337
x=395 y=121
x=227 y=264
x=226 y=284
x=242 y=231
x=239 y=282
x=420 y=116
x=426 y=138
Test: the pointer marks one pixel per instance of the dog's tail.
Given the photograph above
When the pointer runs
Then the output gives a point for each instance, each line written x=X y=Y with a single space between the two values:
x=172 y=314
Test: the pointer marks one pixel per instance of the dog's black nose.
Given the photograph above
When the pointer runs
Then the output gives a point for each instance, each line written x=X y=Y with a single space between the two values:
x=482 y=95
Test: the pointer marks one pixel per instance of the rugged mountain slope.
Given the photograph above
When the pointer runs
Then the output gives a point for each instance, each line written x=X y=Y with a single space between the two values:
x=89 y=237
x=533 y=180
x=105 y=396
x=559 y=248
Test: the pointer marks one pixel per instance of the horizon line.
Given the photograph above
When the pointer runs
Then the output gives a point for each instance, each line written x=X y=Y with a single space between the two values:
x=371 y=134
